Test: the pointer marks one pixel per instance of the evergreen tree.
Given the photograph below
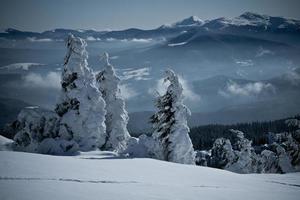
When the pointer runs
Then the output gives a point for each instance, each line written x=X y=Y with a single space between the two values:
x=37 y=132
x=222 y=154
x=81 y=106
x=170 y=124
x=116 y=117
x=246 y=159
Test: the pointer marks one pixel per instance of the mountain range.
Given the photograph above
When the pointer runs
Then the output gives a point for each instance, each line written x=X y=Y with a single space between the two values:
x=247 y=24
x=237 y=69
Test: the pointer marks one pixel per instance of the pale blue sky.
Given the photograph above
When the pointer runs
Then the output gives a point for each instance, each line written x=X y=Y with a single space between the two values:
x=39 y=15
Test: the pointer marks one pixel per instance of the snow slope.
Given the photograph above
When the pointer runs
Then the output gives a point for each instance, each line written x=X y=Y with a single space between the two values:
x=102 y=175
x=5 y=143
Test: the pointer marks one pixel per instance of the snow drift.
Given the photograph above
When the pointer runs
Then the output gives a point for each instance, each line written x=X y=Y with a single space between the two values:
x=97 y=175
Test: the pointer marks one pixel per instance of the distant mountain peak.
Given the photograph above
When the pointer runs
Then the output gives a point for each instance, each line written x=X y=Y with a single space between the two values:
x=253 y=16
x=190 y=21
x=10 y=30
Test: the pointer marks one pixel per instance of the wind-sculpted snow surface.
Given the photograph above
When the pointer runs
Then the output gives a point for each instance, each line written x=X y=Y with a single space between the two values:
x=116 y=117
x=170 y=124
x=97 y=175
x=81 y=106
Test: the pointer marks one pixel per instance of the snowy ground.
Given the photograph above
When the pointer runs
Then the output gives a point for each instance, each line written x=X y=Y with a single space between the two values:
x=102 y=175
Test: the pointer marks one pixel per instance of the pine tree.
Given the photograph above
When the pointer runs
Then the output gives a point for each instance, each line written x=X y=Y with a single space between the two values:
x=116 y=117
x=81 y=106
x=170 y=124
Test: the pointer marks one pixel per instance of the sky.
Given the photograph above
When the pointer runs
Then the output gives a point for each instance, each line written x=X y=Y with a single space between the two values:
x=40 y=15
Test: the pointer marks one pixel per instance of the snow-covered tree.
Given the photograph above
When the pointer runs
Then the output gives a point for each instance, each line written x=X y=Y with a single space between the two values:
x=38 y=132
x=142 y=147
x=239 y=157
x=280 y=155
x=222 y=154
x=284 y=160
x=81 y=106
x=246 y=159
x=202 y=157
x=116 y=117
x=170 y=124
x=269 y=162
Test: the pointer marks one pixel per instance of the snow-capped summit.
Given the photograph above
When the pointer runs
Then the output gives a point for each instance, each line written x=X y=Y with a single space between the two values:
x=10 y=30
x=190 y=21
x=254 y=22
x=251 y=16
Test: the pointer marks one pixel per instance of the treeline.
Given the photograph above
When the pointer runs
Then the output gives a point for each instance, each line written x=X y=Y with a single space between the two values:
x=204 y=136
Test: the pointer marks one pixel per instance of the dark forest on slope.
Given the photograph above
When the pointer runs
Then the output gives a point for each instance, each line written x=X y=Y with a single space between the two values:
x=203 y=137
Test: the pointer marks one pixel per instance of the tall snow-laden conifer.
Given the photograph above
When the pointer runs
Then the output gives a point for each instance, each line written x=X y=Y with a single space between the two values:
x=81 y=106
x=170 y=124
x=116 y=118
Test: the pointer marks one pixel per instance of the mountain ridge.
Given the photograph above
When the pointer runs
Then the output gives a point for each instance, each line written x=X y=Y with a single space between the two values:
x=247 y=21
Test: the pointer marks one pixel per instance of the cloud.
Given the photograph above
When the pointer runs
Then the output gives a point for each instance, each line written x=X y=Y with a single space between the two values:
x=249 y=89
x=22 y=66
x=292 y=76
x=50 y=80
x=114 y=57
x=245 y=63
x=127 y=92
x=136 y=74
x=177 y=44
x=110 y=39
x=146 y=40
x=242 y=73
x=142 y=40
x=161 y=87
x=137 y=40
x=188 y=93
x=91 y=38
x=261 y=52
x=34 y=39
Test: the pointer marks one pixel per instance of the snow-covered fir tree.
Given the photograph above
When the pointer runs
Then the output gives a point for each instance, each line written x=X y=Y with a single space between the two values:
x=37 y=131
x=269 y=162
x=81 y=106
x=222 y=154
x=239 y=157
x=170 y=124
x=246 y=160
x=116 y=117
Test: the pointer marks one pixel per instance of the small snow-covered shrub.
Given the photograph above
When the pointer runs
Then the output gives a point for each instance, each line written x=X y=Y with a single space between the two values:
x=202 y=158
x=141 y=147
x=38 y=131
